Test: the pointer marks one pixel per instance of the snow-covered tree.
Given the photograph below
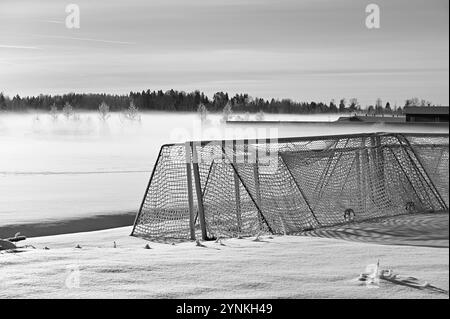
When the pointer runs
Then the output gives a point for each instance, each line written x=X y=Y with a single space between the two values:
x=226 y=113
x=103 y=110
x=260 y=116
x=68 y=110
x=132 y=113
x=54 y=112
x=202 y=112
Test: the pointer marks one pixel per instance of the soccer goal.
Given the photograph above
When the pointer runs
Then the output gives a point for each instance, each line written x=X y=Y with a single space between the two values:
x=212 y=189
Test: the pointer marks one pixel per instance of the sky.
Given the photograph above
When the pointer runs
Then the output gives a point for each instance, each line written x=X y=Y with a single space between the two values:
x=306 y=50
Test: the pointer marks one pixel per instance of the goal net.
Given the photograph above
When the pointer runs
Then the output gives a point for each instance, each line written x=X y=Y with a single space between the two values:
x=212 y=189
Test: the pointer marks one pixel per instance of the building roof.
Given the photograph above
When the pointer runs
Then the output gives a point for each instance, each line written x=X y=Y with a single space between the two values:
x=429 y=110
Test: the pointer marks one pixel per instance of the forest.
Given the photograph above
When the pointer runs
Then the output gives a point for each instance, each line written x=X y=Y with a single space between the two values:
x=172 y=101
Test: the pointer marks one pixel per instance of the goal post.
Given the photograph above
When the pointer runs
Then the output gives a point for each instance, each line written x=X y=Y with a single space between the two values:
x=212 y=189
x=190 y=190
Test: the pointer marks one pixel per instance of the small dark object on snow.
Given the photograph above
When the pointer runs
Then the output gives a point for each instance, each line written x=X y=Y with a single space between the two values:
x=362 y=277
x=16 y=238
x=6 y=245
x=78 y=246
x=147 y=246
x=199 y=244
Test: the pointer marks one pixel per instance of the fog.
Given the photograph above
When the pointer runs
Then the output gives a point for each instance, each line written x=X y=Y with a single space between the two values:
x=70 y=167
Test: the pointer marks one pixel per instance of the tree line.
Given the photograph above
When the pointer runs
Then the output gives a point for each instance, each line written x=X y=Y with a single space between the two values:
x=181 y=101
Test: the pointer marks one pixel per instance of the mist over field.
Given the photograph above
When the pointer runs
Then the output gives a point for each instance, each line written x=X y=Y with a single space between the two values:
x=84 y=166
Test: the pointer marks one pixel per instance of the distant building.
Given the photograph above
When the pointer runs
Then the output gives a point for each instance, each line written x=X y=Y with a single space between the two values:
x=372 y=119
x=426 y=113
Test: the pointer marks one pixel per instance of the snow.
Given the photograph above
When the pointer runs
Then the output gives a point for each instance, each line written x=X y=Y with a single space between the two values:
x=70 y=177
x=65 y=169
x=274 y=267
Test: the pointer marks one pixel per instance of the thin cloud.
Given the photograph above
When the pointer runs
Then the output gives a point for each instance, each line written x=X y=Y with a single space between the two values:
x=52 y=21
x=86 y=39
x=20 y=47
x=6 y=62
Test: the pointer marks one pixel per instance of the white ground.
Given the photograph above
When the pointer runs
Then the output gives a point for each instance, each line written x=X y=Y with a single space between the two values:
x=65 y=169
x=278 y=267
x=55 y=174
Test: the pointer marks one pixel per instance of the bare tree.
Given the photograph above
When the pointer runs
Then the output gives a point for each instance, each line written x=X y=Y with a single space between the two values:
x=379 y=106
x=425 y=103
x=414 y=101
x=342 y=103
x=354 y=104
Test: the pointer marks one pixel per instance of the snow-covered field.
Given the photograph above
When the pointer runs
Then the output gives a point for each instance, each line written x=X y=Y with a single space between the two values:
x=52 y=171
x=273 y=267
x=67 y=176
